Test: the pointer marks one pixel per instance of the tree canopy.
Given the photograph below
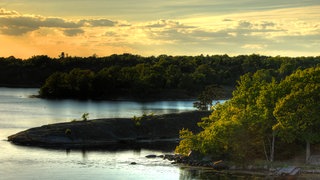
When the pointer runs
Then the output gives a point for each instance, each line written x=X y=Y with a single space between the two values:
x=262 y=114
x=144 y=77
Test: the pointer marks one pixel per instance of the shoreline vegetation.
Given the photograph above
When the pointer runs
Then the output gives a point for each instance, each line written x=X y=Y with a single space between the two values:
x=272 y=113
x=140 y=78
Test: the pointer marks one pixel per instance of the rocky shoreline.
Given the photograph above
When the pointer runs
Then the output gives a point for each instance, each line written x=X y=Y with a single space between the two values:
x=209 y=168
x=154 y=131
x=160 y=132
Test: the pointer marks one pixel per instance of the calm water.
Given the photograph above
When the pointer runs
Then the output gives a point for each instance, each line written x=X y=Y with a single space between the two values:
x=19 y=112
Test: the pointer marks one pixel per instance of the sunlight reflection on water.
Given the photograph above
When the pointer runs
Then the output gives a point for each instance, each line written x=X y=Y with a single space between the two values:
x=19 y=112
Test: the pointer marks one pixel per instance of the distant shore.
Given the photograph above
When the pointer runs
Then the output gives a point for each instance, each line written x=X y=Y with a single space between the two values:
x=161 y=95
x=167 y=95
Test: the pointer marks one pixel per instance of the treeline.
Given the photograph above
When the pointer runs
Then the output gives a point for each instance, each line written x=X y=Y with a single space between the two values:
x=265 y=119
x=137 y=76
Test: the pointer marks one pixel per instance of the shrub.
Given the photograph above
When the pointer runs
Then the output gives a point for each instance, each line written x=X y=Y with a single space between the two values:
x=67 y=132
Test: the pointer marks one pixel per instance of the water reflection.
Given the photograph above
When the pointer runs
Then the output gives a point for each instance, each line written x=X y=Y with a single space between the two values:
x=19 y=112
x=84 y=154
x=26 y=112
x=68 y=151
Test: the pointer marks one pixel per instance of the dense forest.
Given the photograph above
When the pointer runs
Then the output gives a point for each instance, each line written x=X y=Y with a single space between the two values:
x=267 y=118
x=135 y=76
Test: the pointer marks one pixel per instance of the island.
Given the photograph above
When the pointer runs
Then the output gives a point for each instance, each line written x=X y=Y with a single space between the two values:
x=150 y=131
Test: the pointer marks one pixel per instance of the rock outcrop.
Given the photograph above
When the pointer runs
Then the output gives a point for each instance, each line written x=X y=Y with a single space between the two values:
x=111 y=133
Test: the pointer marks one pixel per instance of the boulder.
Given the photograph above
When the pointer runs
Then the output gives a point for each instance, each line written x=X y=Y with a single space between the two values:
x=151 y=156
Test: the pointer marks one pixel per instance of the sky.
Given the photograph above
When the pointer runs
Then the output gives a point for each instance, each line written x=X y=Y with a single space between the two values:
x=149 y=27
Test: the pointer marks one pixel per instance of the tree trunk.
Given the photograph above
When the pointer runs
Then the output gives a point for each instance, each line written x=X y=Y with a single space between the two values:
x=307 y=151
x=265 y=151
x=272 y=146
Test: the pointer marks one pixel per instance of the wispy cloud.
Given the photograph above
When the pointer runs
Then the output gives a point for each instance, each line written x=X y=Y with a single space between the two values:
x=4 y=12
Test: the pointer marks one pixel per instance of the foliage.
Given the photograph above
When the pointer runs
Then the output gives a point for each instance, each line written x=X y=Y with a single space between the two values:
x=136 y=76
x=77 y=84
x=210 y=93
x=85 y=116
x=298 y=111
x=188 y=141
x=67 y=132
x=261 y=114
x=138 y=120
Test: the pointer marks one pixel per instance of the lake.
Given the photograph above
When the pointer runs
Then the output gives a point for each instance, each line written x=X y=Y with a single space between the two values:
x=19 y=112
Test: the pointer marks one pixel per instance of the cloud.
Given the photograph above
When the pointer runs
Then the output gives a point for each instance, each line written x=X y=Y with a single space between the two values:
x=254 y=46
x=148 y=10
x=73 y=32
x=15 y=30
x=291 y=30
x=13 y=23
x=266 y=24
x=57 y=22
x=234 y=36
x=227 y=20
x=167 y=24
x=240 y=32
x=4 y=12
x=244 y=25
x=19 y=25
x=98 y=22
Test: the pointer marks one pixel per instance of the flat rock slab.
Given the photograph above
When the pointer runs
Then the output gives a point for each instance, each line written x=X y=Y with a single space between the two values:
x=104 y=132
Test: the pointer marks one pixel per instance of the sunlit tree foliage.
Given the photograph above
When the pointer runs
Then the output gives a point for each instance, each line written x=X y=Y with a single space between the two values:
x=261 y=114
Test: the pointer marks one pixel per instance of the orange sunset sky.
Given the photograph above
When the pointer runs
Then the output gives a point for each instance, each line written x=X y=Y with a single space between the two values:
x=148 y=27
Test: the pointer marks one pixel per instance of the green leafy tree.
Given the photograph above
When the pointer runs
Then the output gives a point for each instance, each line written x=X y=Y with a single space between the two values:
x=240 y=127
x=266 y=103
x=188 y=142
x=298 y=112
x=173 y=75
x=81 y=82
x=57 y=85
x=105 y=82
x=206 y=97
